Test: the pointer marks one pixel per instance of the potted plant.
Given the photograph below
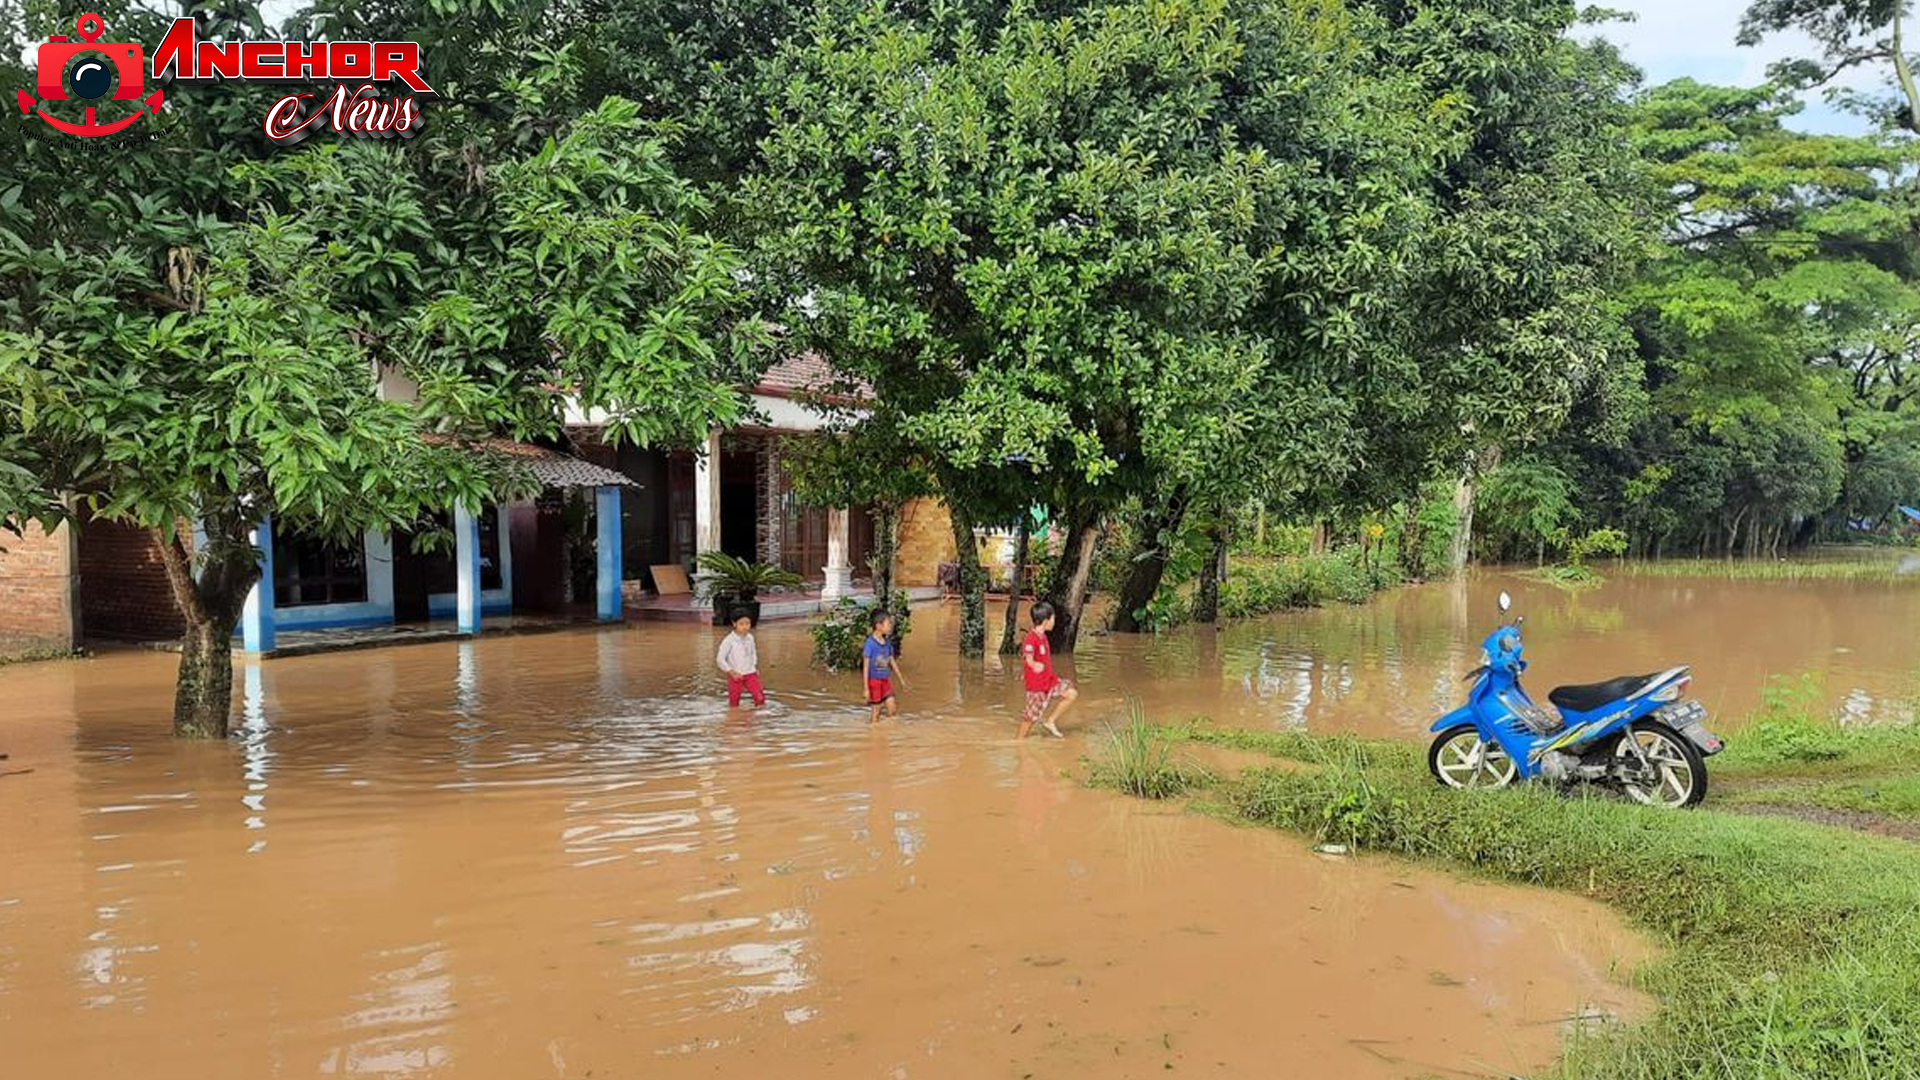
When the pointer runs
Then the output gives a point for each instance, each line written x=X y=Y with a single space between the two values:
x=735 y=582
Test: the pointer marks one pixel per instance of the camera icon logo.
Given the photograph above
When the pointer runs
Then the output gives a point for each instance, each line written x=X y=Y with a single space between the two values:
x=90 y=69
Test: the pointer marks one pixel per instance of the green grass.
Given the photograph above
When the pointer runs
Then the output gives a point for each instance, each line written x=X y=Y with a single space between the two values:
x=1792 y=754
x=1134 y=759
x=1881 y=568
x=1793 y=950
x=1887 y=796
x=1790 y=736
x=1566 y=575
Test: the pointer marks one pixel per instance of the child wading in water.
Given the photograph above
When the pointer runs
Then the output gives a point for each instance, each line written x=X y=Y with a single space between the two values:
x=1043 y=686
x=740 y=659
x=879 y=664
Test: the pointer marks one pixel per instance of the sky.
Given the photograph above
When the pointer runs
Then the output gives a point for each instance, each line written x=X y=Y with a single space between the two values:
x=1694 y=38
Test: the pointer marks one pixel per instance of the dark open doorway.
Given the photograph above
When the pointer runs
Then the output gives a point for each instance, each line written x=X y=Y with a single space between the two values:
x=740 y=503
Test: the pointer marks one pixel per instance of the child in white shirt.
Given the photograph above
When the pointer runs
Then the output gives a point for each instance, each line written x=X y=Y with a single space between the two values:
x=740 y=659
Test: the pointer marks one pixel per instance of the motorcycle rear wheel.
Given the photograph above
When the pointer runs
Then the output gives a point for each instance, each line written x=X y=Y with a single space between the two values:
x=1459 y=758
x=1682 y=771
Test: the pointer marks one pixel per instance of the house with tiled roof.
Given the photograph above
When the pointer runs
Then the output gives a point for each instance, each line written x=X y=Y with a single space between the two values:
x=612 y=534
x=735 y=494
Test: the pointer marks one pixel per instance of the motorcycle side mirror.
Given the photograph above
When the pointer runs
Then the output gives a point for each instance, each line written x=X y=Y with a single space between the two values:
x=1506 y=602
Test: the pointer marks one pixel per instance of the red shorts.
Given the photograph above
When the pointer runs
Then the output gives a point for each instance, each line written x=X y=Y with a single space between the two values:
x=1037 y=699
x=879 y=690
x=750 y=683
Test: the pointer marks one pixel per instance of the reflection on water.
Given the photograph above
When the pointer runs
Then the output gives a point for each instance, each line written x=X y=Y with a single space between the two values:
x=562 y=855
x=1390 y=667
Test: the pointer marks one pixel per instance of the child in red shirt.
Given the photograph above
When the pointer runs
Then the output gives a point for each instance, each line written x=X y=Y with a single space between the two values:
x=1043 y=686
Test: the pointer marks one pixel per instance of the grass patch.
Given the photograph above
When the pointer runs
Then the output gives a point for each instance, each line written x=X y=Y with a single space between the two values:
x=1566 y=575
x=1882 y=565
x=1886 y=796
x=1794 y=949
x=1790 y=735
x=1136 y=759
x=1294 y=745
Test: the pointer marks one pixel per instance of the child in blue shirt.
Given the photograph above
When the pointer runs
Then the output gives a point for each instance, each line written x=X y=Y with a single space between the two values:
x=880 y=664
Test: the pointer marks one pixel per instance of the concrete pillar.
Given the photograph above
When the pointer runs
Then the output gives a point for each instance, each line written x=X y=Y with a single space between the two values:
x=839 y=572
x=607 y=553
x=256 y=617
x=706 y=495
x=466 y=569
x=706 y=505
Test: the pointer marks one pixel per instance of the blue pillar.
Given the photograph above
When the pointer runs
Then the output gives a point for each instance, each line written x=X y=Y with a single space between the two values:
x=606 y=517
x=466 y=569
x=256 y=618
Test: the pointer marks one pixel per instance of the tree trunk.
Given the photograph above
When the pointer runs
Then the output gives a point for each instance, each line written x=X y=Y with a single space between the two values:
x=1070 y=577
x=1010 y=634
x=1159 y=527
x=1206 y=598
x=973 y=586
x=1903 y=74
x=203 y=694
x=1478 y=465
x=1806 y=533
x=1733 y=531
x=886 y=527
x=210 y=606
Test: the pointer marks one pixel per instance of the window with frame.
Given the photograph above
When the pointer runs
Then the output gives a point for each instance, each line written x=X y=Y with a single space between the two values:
x=308 y=570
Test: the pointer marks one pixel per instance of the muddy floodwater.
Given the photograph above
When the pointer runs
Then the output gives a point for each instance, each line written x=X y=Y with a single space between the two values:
x=560 y=856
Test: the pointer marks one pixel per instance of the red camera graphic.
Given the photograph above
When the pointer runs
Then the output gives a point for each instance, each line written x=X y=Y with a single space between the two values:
x=90 y=69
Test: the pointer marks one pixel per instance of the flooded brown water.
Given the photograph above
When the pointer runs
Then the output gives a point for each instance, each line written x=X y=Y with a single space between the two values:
x=1388 y=668
x=560 y=856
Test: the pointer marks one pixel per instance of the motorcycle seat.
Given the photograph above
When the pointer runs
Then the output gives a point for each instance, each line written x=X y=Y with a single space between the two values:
x=1590 y=696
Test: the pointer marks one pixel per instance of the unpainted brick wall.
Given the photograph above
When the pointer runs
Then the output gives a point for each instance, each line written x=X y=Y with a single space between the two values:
x=123 y=586
x=770 y=483
x=926 y=541
x=37 y=587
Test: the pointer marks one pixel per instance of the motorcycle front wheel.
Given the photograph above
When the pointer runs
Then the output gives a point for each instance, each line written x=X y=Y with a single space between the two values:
x=1459 y=758
x=1674 y=774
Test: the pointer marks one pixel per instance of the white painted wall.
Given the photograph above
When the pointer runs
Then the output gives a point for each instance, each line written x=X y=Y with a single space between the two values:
x=779 y=412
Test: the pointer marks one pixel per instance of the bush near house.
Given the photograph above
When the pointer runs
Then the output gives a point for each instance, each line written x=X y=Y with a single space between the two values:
x=839 y=634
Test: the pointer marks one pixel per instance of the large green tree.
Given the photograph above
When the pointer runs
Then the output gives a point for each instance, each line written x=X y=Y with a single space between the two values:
x=1094 y=240
x=189 y=325
x=1775 y=325
x=1483 y=239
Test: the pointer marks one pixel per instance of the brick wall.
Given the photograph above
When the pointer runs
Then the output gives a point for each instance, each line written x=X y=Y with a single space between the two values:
x=123 y=586
x=769 y=481
x=37 y=585
x=926 y=541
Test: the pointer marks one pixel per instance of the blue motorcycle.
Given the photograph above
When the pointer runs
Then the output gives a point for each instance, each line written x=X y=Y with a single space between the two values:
x=1637 y=733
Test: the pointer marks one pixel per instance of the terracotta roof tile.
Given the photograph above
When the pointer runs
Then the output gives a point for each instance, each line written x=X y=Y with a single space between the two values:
x=551 y=467
x=806 y=374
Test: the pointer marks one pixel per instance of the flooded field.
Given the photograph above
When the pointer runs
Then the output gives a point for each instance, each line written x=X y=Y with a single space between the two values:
x=1389 y=667
x=560 y=856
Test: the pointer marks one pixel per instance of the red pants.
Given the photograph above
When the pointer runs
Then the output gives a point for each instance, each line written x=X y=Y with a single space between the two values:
x=750 y=683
